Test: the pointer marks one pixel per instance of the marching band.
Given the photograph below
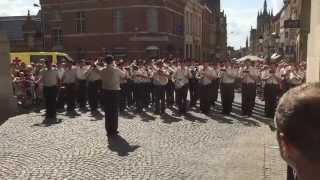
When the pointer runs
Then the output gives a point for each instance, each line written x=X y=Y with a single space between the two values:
x=160 y=84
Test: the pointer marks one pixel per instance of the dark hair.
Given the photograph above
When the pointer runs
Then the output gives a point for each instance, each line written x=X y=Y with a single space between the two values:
x=298 y=118
x=108 y=59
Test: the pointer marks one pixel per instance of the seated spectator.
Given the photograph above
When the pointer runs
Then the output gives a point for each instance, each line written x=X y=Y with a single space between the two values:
x=298 y=130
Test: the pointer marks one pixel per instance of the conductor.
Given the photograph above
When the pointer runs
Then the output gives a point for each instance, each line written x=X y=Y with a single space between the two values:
x=111 y=77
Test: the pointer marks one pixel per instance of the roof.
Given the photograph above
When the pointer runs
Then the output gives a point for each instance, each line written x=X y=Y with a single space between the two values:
x=13 y=25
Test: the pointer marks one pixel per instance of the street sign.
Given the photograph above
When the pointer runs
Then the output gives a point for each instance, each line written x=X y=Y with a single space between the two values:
x=288 y=24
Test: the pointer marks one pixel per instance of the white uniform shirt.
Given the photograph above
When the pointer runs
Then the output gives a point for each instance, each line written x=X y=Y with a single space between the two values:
x=209 y=72
x=181 y=77
x=250 y=76
x=229 y=75
x=294 y=78
x=271 y=78
x=49 y=77
x=81 y=73
x=160 y=79
x=137 y=76
x=93 y=75
x=69 y=76
x=60 y=72
x=111 y=78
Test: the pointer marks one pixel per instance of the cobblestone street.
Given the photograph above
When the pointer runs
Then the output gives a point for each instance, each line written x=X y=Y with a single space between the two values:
x=149 y=147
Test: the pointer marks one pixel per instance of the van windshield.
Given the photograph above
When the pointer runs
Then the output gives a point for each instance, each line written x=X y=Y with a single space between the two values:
x=36 y=58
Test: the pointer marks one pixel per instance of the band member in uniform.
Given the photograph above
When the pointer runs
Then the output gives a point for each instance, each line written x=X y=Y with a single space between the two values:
x=124 y=89
x=82 y=85
x=206 y=77
x=214 y=87
x=294 y=78
x=100 y=65
x=138 y=77
x=228 y=77
x=249 y=76
x=160 y=80
x=170 y=87
x=193 y=85
x=111 y=77
x=93 y=78
x=50 y=78
x=181 y=80
x=271 y=91
x=61 y=89
x=69 y=80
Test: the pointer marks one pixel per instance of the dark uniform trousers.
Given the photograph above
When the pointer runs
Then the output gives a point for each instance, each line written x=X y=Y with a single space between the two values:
x=82 y=92
x=227 y=97
x=139 y=96
x=145 y=95
x=111 y=109
x=100 y=94
x=214 y=90
x=93 y=94
x=123 y=96
x=249 y=93
x=193 y=87
x=70 y=96
x=130 y=88
x=205 y=98
x=271 y=97
x=159 y=93
x=170 y=93
x=181 y=98
x=149 y=93
x=50 y=95
x=61 y=97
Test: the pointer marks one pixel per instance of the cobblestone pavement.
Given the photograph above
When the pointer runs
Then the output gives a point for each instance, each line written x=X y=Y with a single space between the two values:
x=149 y=147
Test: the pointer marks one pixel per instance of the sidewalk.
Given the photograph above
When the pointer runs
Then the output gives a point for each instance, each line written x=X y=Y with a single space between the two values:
x=254 y=159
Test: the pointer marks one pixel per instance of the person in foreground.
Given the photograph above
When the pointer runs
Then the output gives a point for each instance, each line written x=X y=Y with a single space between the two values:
x=298 y=130
x=111 y=78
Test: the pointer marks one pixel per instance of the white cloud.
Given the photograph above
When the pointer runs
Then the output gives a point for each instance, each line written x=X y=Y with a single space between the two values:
x=239 y=24
x=17 y=7
x=277 y=5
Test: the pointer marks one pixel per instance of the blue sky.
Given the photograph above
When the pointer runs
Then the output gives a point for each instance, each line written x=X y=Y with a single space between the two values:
x=241 y=15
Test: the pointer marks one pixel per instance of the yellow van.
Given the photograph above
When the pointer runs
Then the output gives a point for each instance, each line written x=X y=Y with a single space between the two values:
x=35 y=57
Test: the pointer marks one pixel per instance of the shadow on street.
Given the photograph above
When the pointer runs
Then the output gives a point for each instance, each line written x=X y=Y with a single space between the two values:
x=121 y=146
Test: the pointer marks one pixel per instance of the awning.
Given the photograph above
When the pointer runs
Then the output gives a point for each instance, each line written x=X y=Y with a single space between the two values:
x=275 y=56
x=152 y=48
x=250 y=58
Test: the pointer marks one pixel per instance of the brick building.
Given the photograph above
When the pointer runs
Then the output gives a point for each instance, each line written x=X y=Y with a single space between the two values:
x=135 y=28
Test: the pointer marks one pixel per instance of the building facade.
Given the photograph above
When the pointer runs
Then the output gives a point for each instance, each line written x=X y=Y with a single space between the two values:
x=135 y=28
x=24 y=32
x=294 y=39
x=214 y=31
x=193 y=29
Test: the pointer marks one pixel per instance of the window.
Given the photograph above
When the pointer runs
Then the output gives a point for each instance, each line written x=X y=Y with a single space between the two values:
x=57 y=36
x=153 y=20
x=286 y=35
x=80 y=22
x=118 y=17
x=37 y=58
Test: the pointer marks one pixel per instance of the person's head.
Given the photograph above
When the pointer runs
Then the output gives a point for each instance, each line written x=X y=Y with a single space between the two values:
x=48 y=63
x=298 y=126
x=69 y=64
x=108 y=59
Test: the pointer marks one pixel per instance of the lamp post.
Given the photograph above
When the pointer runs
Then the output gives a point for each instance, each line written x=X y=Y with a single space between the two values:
x=42 y=25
